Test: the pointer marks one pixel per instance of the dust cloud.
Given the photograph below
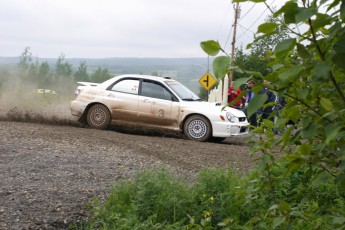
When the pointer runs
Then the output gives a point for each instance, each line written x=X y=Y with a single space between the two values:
x=22 y=100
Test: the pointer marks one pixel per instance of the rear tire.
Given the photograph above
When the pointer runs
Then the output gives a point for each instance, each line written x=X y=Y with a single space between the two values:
x=98 y=117
x=197 y=128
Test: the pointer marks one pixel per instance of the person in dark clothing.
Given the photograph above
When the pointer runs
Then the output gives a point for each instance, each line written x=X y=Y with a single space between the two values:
x=250 y=95
x=266 y=111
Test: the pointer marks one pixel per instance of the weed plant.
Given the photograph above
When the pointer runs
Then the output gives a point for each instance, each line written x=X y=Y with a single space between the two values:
x=219 y=199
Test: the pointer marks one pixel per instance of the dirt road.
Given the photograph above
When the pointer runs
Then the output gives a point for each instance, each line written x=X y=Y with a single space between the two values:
x=49 y=171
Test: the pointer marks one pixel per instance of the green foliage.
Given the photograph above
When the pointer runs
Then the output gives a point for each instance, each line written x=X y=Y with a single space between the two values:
x=203 y=93
x=100 y=75
x=220 y=199
x=307 y=69
x=81 y=74
x=153 y=200
x=29 y=80
x=63 y=68
x=25 y=59
x=212 y=48
x=221 y=66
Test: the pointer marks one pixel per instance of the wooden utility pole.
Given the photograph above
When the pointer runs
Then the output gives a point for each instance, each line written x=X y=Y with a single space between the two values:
x=233 y=43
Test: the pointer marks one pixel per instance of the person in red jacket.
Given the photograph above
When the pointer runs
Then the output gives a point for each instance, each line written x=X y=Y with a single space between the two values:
x=232 y=94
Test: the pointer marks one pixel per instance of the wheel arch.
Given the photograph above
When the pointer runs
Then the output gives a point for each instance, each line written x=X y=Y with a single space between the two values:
x=192 y=114
x=82 y=119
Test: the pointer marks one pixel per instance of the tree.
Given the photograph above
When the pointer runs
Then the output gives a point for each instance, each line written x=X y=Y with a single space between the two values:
x=260 y=51
x=25 y=59
x=308 y=70
x=63 y=68
x=100 y=75
x=81 y=74
x=33 y=72
x=44 y=75
x=253 y=61
x=155 y=73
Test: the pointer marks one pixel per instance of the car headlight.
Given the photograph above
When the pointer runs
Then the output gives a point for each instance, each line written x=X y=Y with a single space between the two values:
x=230 y=117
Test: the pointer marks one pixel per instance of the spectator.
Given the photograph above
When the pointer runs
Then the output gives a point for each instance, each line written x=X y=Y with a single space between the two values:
x=232 y=95
x=250 y=95
x=266 y=111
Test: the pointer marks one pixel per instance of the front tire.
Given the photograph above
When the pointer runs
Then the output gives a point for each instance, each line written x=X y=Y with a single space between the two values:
x=197 y=128
x=98 y=117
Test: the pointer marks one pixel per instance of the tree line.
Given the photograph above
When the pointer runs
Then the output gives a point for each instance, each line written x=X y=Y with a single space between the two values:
x=46 y=76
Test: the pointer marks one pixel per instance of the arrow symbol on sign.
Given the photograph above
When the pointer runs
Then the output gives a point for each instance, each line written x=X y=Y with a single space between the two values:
x=206 y=81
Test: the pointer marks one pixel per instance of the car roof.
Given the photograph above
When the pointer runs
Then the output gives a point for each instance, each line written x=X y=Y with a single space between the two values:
x=146 y=77
x=149 y=77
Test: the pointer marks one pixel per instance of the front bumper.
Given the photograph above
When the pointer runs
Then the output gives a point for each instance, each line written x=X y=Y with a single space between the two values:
x=228 y=129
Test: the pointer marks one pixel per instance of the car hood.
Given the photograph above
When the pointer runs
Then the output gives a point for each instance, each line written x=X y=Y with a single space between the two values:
x=210 y=107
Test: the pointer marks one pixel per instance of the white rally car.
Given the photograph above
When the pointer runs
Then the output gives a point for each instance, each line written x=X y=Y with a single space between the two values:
x=156 y=102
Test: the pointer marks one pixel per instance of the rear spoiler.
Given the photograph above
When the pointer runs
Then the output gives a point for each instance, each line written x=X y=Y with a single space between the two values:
x=84 y=83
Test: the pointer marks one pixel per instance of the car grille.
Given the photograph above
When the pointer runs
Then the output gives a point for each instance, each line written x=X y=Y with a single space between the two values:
x=242 y=119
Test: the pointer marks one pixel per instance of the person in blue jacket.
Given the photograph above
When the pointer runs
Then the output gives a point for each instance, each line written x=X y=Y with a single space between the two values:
x=265 y=112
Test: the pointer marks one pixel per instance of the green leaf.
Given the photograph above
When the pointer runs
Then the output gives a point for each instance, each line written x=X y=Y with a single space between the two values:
x=338 y=60
x=289 y=10
x=302 y=14
x=293 y=113
x=303 y=94
x=241 y=81
x=278 y=221
x=322 y=71
x=339 y=46
x=295 y=165
x=291 y=74
x=342 y=11
x=273 y=207
x=284 y=206
x=257 y=102
x=340 y=179
x=322 y=178
x=326 y=104
x=277 y=67
x=210 y=47
x=272 y=77
x=304 y=149
x=302 y=51
x=267 y=27
x=321 y=21
x=309 y=131
x=339 y=220
x=331 y=131
x=282 y=49
x=333 y=4
x=254 y=73
x=268 y=124
x=221 y=66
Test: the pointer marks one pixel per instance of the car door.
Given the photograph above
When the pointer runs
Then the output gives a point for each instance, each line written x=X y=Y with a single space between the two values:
x=122 y=99
x=157 y=106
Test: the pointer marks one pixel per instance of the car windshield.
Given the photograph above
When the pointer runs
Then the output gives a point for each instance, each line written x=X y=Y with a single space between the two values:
x=182 y=91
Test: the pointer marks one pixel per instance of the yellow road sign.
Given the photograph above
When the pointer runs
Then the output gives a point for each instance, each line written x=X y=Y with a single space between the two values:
x=207 y=81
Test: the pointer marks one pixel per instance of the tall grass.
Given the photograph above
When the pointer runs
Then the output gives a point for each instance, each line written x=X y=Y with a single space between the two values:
x=219 y=199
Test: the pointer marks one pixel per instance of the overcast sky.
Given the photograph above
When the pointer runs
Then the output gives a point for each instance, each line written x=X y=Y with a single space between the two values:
x=122 y=28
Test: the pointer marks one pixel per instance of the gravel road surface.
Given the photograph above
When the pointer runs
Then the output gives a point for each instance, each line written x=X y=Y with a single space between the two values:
x=51 y=169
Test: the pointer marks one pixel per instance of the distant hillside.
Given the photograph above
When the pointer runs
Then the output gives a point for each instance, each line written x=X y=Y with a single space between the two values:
x=186 y=70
